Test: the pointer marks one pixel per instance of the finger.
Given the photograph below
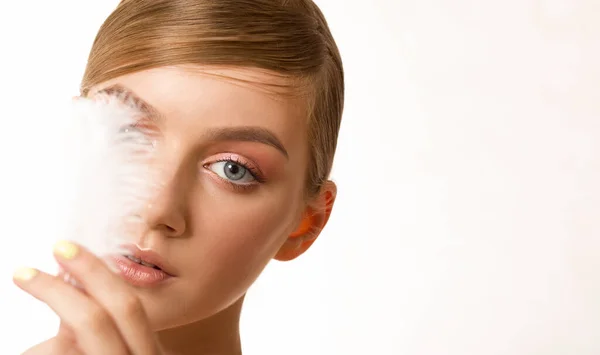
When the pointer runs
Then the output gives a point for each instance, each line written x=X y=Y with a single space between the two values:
x=54 y=346
x=112 y=293
x=94 y=329
x=65 y=332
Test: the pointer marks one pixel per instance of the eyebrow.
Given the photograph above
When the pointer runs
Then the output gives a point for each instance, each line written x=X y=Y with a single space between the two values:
x=243 y=134
x=247 y=134
x=125 y=94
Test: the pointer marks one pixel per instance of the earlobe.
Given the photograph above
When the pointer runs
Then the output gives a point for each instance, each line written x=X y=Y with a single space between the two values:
x=314 y=219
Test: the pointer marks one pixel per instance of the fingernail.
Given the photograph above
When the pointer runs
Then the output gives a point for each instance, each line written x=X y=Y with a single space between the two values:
x=66 y=249
x=25 y=274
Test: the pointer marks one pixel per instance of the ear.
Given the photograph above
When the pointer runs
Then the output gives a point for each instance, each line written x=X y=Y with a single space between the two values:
x=313 y=221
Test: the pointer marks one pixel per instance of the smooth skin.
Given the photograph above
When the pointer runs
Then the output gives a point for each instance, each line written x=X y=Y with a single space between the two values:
x=216 y=233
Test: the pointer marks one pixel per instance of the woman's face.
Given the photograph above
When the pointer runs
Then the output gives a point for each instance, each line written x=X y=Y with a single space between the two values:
x=234 y=158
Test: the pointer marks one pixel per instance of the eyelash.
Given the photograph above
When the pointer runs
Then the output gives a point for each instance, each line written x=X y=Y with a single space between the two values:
x=255 y=172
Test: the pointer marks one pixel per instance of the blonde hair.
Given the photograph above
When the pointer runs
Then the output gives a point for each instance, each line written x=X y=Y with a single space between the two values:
x=288 y=37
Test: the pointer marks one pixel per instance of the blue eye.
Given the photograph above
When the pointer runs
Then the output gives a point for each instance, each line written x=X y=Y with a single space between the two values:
x=132 y=134
x=127 y=129
x=232 y=171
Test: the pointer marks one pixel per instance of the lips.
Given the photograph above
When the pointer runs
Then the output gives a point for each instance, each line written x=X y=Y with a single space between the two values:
x=143 y=268
x=148 y=258
x=142 y=262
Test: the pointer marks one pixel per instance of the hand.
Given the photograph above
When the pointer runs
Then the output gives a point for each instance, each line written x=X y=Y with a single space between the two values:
x=106 y=318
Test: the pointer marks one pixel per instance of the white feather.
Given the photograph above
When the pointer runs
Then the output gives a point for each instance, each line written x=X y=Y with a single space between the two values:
x=111 y=173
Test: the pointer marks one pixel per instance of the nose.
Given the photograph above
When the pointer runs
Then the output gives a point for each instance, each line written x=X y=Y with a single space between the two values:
x=165 y=212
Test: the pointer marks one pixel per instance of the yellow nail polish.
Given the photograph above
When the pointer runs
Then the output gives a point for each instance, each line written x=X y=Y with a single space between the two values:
x=25 y=274
x=66 y=249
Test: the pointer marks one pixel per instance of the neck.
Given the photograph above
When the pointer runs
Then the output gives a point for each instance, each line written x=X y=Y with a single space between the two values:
x=217 y=335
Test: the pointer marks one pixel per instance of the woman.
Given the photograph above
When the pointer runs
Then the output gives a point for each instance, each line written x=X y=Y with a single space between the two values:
x=246 y=100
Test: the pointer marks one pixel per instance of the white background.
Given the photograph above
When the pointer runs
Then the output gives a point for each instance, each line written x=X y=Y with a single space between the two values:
x=468 y=170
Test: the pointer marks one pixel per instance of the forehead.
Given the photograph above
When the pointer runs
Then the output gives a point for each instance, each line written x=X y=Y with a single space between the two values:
x=195 y=97
x=192 y=82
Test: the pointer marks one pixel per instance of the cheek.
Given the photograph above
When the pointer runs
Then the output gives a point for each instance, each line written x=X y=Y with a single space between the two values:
x=238 y=234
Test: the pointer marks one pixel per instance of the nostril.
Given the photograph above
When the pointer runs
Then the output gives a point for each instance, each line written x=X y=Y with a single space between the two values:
x=169 y=230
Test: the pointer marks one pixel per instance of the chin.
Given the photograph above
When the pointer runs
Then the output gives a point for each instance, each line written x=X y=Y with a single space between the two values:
x=168 y=313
